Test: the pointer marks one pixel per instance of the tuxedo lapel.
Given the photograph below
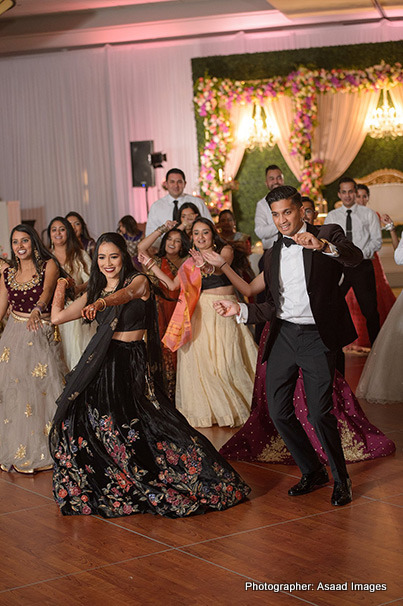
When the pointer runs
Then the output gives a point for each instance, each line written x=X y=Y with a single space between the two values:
x=274 y=271
x=307 y=254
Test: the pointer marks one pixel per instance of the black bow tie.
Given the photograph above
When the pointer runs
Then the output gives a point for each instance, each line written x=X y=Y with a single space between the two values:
x=288 y=242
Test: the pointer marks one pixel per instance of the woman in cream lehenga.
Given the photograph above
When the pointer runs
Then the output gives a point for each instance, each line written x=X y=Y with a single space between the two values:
x=77 y=263
x=31 y=361
x=216 y=360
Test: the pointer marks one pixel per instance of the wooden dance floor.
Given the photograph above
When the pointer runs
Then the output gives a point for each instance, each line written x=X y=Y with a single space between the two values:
x=272 y=542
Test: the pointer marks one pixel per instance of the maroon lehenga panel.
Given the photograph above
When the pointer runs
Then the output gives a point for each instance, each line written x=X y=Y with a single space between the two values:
x=385 y=298
x=258 y=439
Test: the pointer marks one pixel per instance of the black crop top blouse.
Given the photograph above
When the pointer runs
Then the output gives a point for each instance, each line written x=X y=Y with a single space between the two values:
x=134 y=316
x=214 y=281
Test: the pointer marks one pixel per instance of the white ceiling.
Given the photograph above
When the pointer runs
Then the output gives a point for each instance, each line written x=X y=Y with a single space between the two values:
x=39 y=25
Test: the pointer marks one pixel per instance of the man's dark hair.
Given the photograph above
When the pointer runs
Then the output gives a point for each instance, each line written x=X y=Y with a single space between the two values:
x=364 y=187
x=284 y=192
x=273 y=167
x=176 y=171
x=308 y=199
x=347 y=180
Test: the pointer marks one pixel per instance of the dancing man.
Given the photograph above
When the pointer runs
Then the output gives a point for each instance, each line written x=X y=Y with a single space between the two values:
x=310 y=321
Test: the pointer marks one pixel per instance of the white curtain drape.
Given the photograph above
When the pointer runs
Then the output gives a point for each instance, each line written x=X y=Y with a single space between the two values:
x=280 y=111
x=396 y=94
x=239 y=114
x=341 y=130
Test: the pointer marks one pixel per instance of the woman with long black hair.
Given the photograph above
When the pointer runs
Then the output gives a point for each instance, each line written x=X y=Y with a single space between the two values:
x=119 y=446
x=31 y=361
x=76 y=263
x=216 y=360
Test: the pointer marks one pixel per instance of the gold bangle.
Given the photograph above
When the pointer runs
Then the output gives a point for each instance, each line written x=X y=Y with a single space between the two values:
x=61 y=280
x=152 y=265
x=104 y=304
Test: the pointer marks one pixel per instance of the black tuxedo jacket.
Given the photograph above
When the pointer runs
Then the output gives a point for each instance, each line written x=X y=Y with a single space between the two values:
x=322 y=276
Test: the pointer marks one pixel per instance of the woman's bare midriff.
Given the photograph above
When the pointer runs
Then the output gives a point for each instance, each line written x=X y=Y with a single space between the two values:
x=128 y=336
x=221 y=290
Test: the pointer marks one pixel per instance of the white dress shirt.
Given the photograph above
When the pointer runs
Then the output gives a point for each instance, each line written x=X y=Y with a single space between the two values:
x=162 y=210
x=399 y=253
x=366 y=229
x=294 y=299
x=264 y=224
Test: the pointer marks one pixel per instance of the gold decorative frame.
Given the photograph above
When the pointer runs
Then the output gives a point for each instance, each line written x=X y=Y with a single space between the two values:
x=385 y=175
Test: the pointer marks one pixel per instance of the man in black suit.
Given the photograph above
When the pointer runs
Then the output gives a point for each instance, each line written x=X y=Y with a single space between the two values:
x=310 y=321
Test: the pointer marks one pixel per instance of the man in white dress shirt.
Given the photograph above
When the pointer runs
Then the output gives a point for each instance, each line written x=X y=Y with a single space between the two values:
x=309 y=323
x=264 y=224
x=168 y=207
x=361 y=225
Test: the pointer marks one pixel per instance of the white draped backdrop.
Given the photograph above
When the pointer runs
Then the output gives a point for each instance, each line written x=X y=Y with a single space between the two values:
x=66 y=119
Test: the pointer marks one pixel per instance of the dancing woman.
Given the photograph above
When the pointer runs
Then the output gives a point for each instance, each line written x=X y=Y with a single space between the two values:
x=173 y=251
x=76 y=263
x=81 y=230
x=216 y=360
x=119 y=446
x=131 y=232
x=258 y=439
x=31 y=361
x=188 y=213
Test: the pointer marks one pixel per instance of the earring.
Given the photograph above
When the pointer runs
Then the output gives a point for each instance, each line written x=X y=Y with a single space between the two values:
x=37 y=255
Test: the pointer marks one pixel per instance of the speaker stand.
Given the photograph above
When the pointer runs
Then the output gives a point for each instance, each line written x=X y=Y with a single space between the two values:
x=145 y=187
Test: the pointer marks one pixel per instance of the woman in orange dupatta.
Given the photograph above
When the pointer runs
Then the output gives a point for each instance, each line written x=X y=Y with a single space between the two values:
x=173 y=251
x=216 y=360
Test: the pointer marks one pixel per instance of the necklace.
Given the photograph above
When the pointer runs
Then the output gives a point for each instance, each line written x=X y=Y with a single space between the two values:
x=105 y=293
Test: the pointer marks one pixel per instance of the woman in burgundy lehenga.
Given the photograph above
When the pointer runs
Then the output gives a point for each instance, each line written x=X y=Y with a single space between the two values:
x=258 y=439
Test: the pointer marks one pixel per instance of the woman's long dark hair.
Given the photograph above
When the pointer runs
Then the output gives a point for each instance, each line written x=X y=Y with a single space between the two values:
x=130 y=224
x=97 y=281
x=43 y=254
x=39 y=259
x=192 y=207
x=218 y=242
x=73 y=246
x=185 y=243
x=84 y=229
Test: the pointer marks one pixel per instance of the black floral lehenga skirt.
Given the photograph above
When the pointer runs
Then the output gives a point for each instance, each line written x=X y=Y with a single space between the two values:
x=123 y=449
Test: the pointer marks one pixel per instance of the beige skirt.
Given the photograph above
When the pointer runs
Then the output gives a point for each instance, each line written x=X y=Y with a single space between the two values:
x=216 y=370
x=31 y=379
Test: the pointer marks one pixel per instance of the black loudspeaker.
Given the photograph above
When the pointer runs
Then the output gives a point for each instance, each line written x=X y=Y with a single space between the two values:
x=142 y=170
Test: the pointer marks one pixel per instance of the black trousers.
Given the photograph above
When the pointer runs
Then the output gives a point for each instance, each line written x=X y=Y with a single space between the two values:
x=298 y=346
x=362 y=280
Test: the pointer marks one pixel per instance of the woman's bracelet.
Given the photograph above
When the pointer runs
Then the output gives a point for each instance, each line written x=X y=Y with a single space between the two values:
x=61 y=280
x=152 y=265
x=162 y=229
x=103 y=302
x=389 y=226
x=38 y=309
x=221 y=266
x=202 y=265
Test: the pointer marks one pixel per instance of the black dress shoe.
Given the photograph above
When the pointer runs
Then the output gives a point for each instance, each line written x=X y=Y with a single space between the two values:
x=309 y=482
x=342 y=493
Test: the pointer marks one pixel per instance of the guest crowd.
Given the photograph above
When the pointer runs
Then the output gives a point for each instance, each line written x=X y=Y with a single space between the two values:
x=114 y=351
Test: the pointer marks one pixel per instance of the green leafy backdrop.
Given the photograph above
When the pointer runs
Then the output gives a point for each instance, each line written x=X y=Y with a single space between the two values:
x=373 y=155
